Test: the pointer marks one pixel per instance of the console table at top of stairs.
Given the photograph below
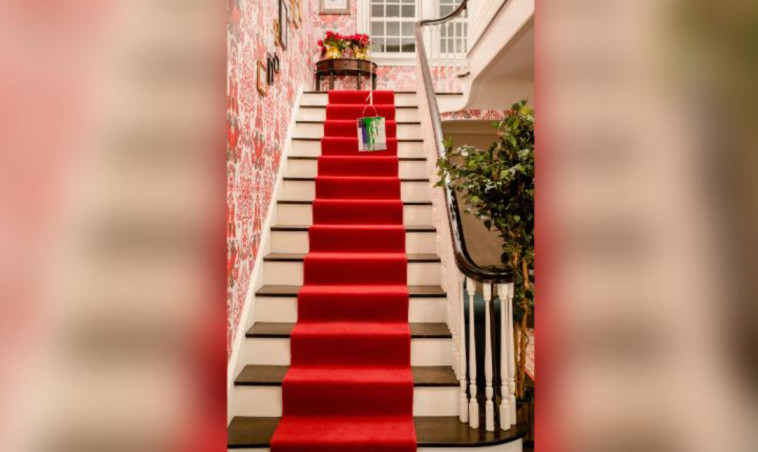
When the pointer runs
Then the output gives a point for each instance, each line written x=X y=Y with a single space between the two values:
x=350 y=66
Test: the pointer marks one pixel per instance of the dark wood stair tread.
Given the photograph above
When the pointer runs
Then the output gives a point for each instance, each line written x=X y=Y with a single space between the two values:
x=399 y=140
x=396 y=92
x=291 y=291
x=443 y=431
x=397 y=107
x=298 y=257
x=303 y=228
x=314 y=158
x=313 y=179
x=405 y=203
x=311 y=121
x=281 y=330
x=273 y=376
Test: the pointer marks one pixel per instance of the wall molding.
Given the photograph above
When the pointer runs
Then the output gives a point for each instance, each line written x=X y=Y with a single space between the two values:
x=247 y=318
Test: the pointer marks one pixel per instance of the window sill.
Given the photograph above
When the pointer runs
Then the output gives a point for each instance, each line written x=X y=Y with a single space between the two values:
x=394 y=60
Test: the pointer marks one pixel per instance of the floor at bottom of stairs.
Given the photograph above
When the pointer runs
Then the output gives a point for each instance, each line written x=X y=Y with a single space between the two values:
x=445 y=431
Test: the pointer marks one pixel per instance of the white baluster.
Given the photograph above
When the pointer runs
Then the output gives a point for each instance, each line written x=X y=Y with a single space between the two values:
x=473 y=405
x=463 y=400
x=489 y=406
x=505 y=345
x=511 y=357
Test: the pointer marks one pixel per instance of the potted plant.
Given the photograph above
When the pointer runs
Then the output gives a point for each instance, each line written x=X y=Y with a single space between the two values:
x=332 y=45
x=359 y=44
x=498 y=186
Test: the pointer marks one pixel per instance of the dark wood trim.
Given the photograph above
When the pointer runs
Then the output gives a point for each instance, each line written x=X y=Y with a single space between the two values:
x=413 y=258
x=427 y=376
x=405 y=203
x=400 y=123
x=274 y=330
x=396 y=92
x=399 y=140
x=302 y=228
x=313 y=179
x=443 y=431
x=292 y=291
x=308 y=157
x=397 y=107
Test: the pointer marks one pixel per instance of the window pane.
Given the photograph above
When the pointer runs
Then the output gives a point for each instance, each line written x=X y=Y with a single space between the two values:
x=393 y=29
x=409 y=45
x=378 y=45
x=446 y=9
x=393 y=45
x=409 y=11
x=408 y=28
x=443 y=46
x=377 y=11
x=393 y=10
x=377 y=28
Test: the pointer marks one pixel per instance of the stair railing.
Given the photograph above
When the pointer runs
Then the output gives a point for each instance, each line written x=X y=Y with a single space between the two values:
x=464 y=280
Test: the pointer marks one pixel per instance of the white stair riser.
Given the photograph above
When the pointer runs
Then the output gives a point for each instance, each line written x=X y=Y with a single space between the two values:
x=291 y=273
x=408 y=169
x=284 y=309
x=266 y=401
x=276 y=351
x=297 y=242
x=302 y=214
x=310 y=130
x=323 y=99
x=513 y=446
x=305 y=190
x=311 y=148
x=319 y=114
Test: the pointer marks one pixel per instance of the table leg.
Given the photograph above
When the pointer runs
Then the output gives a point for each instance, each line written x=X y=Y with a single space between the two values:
x=360 y=80
x=318 y=82
x=373 y=80
x=331 y=80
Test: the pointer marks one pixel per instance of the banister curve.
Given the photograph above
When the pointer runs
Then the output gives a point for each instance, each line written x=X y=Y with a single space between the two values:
x=463 y=260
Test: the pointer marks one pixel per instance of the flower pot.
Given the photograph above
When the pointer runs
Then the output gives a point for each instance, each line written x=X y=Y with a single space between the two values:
x=333 y=53
x=360 y=53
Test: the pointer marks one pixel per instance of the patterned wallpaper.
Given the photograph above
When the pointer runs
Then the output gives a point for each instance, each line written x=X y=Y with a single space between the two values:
x=256 y=125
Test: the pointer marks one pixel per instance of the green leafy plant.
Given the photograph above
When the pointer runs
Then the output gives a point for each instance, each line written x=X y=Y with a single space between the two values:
x=498 y=187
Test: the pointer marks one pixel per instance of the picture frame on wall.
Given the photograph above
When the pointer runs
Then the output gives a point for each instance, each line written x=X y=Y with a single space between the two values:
x=283 y=20
x=261 y=82
x=295 y=13
x=335 y=7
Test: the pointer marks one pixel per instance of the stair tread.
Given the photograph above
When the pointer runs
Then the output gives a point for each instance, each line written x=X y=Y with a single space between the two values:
x=282 y=330
x=442 y=431
x=405 y=203
x=291 y=291
x=321 y=121
x=315 y=158
x=408 y=228
x=257 y=375
x=313 y=178
x=298 y=257
x=404 y=107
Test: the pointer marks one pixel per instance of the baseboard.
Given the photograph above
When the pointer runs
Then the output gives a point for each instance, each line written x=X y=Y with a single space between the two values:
x=234 y=366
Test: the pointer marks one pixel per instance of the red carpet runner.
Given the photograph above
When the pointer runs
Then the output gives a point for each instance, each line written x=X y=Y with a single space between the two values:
x=349 y=386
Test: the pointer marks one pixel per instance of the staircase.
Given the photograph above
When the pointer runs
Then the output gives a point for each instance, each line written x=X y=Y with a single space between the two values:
x=257 y=402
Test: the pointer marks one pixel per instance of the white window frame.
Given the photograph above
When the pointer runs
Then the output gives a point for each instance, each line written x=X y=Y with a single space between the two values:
x=425 y=9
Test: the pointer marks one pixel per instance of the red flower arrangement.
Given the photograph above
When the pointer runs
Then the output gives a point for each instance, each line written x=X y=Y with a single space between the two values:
x=357 y=41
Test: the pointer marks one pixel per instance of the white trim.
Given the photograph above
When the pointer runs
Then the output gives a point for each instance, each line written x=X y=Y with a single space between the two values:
x=235 y=364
